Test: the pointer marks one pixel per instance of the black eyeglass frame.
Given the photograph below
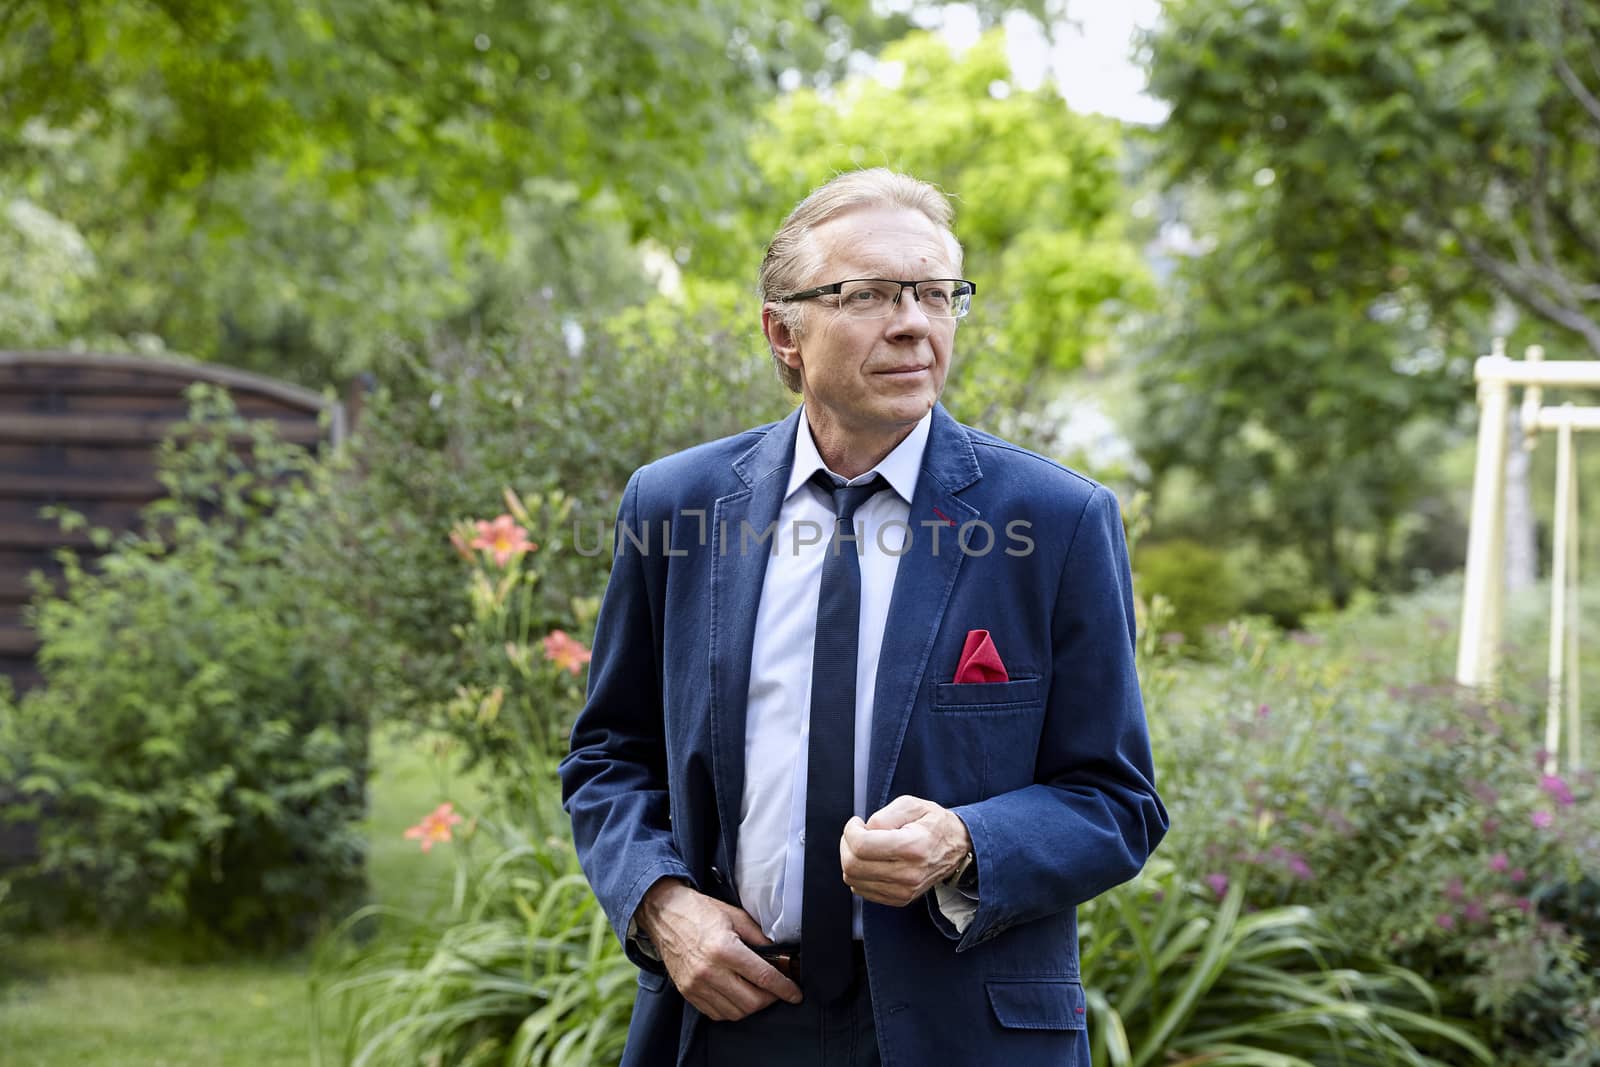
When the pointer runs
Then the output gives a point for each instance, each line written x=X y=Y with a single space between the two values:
x=837 y=289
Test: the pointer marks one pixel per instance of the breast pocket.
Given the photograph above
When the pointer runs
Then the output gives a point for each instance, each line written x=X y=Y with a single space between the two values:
x=996 y=724
x=977 y=698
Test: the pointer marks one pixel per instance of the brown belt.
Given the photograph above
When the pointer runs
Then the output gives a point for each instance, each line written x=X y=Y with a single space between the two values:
x=787 y=960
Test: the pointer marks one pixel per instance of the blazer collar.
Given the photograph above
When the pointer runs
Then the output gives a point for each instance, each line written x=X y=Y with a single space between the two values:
x=772 y=453
x=949 y=456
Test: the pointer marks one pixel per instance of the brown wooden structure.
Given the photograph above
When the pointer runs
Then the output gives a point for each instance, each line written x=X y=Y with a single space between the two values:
x=81 y=430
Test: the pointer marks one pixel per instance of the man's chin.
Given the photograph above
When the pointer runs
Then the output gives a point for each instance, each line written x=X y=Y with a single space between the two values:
x=907 y=411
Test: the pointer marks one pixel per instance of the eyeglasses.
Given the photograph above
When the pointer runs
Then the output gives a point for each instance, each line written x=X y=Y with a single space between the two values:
x=875 y=298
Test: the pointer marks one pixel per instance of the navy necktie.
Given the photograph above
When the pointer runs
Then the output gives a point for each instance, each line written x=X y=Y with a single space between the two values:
x=830 y=765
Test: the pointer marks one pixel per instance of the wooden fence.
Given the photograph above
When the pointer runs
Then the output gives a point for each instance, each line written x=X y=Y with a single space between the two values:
x=81 y=430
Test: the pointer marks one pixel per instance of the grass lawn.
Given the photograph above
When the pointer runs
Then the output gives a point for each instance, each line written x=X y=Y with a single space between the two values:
x=88 y=1000
x=84 y=999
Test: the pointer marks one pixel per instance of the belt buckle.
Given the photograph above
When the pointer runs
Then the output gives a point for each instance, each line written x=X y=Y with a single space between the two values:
x=784 y=959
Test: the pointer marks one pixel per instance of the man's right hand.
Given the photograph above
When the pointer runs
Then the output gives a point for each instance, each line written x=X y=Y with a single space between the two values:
x=706 y=947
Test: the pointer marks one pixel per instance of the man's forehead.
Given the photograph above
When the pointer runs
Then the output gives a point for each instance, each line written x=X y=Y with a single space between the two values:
x=882 y=234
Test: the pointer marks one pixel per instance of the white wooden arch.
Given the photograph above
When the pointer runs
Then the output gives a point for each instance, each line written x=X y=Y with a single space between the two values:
x=1482 y=601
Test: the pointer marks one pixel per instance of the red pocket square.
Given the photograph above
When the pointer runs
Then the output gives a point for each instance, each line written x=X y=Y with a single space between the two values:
x=979 y=660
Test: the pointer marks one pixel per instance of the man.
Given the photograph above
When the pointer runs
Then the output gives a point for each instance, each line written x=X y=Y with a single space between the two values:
x=873 y=627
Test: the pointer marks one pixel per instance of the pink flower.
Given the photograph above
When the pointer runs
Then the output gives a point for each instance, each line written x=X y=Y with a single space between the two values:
x=1485 y=793
x=1518 y=874
x=502 y=538
x=1263 y=711
x=1454 y=890
x=1543 y=820
x=1524 y=905
x=1218 y=883
x=1499 y=862
x=1336 y=820
x=565 y=651
x=1474 y=912
x=1445 y=922
x=1557 y=789
x=434 y=827
x=1300 y=868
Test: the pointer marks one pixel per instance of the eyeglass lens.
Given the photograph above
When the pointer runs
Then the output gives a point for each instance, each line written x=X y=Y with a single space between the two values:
x=941 y=298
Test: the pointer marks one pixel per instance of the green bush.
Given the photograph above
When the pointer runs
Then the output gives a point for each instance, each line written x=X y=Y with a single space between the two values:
x=201 y=771
x=521 y=673
x=1200 y=582
x=1208 y=586
x=1334 y=770
x=562 y=411
x=1179 y=972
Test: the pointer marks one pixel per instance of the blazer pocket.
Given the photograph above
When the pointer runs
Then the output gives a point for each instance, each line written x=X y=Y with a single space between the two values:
x=987 y=696
x=1038 y=1003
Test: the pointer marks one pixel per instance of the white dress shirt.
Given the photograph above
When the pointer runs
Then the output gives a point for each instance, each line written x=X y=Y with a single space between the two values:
x=769 y=868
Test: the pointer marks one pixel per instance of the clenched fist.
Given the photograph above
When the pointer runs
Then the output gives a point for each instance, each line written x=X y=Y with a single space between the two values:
x=899 y=853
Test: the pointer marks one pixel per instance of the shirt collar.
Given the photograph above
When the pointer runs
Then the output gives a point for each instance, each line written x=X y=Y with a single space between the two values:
x=899 y=468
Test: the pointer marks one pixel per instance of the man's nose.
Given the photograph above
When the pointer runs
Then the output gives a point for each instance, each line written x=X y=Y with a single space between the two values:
x=908 y=316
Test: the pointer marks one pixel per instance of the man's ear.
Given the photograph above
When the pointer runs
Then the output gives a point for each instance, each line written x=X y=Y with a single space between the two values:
x=785 y=345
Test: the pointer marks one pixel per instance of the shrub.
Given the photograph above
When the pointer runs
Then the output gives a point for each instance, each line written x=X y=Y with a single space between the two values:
x=1200 y=582
x=203 y=774
x=1178 y=970
x=521 y=673
x=561 y=411
x=1333 y=770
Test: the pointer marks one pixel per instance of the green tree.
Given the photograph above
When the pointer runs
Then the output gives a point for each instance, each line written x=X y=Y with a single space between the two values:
x=1372 y=179
x=290 y=186
x=1449 y=148
x=1292 y=403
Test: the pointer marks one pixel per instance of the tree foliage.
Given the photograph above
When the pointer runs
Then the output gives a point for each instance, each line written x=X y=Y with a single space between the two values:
x=1450 y=147
x=461 y=99
x=290 y=186
x=1369 y=179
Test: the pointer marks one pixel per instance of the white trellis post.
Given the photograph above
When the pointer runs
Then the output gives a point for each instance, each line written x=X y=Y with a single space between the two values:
x=1564 y=615
x=1485 y=578
x=1482 y=598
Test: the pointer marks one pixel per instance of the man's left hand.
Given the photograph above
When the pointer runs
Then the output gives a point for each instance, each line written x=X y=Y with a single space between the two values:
x=902 y=850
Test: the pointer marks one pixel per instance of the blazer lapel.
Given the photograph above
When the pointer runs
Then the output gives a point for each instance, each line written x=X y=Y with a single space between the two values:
x=739 y=566
x=922 y=585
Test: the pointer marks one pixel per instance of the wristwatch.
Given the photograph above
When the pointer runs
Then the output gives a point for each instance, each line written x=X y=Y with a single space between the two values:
x=965 y=876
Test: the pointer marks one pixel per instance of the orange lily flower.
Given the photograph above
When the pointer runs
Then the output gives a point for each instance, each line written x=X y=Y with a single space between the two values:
x=435 y=826
x=503 y=538
x=565 y=651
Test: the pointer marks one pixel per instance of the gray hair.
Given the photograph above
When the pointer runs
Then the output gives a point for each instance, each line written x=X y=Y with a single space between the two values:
x=792 y=256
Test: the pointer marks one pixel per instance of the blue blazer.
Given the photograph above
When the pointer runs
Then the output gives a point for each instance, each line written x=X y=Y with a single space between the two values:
x=1050 y=770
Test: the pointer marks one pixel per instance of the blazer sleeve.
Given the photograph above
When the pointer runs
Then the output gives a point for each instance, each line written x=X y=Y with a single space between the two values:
x=614 y=779
x=1092 y=816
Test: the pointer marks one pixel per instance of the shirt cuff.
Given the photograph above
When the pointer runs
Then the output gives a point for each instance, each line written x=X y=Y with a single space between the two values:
x=957 y=906
x=641 y=940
